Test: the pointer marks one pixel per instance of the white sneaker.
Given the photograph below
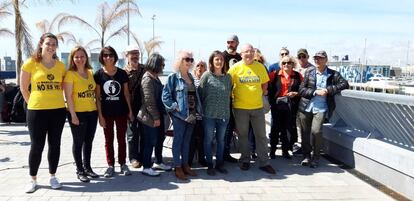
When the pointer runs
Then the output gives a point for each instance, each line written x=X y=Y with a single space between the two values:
x=125 y=170
x=150 y=172
x=162 y=166
x=31 y=187
x=54 y=183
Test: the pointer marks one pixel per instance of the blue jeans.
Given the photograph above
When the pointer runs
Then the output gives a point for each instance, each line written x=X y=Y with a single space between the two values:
x=181 y=141
x=149 y=137
x=219 y=126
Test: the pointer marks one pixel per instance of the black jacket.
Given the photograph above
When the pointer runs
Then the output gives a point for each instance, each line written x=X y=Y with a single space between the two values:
x=335 y=84
x=276 y=85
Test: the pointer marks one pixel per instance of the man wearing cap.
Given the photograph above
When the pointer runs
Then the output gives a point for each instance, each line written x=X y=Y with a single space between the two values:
x=135 y=71
x=317 y=91
x=304 y=63
x=303 y=58
x=230 y=57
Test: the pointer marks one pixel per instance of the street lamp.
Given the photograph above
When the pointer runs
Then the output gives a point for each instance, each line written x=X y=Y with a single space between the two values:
x=153 y=22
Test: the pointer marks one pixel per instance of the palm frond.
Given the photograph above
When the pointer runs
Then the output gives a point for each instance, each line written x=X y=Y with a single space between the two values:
x=73 y=18
x=116 y=33
x=41 y=26
x=6 y=32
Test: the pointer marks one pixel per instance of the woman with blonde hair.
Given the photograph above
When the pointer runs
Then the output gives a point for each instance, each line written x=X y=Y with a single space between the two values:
x=284 y=98
x=181 y=100
x=79 y=86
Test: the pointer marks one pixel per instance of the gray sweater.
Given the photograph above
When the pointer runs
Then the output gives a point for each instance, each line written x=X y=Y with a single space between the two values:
x=215 y=94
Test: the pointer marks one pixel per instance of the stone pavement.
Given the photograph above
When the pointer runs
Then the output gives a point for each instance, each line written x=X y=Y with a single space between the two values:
x=292 y=182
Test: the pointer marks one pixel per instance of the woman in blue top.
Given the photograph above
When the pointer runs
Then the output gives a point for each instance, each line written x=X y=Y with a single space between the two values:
x=215 y=91
x=181 y=100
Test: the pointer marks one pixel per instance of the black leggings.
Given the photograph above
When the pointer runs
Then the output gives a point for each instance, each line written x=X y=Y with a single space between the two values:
x=83 y=135
x=42 y=123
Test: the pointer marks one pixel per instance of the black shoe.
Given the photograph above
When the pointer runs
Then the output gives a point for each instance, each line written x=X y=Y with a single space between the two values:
x=211 y=171
x=254 y=156
x=230 y=159
x=221 y=169
x=202 y=163
x=245 y=166
x=268 y=168
x=83 y=177
x=91 y=174
x=314 y=163
x=286 y=155
x=298 y=151
x=305 y=161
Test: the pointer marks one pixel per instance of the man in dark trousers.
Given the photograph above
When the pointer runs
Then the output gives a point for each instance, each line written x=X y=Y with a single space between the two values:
x=320 y=85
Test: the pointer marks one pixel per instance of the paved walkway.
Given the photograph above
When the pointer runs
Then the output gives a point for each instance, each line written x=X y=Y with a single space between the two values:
x=292 y=182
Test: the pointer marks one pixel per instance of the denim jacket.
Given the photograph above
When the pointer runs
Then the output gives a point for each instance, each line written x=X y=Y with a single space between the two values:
x=174 y=95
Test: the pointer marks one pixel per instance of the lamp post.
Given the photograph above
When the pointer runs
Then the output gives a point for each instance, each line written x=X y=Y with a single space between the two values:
x=153 y=25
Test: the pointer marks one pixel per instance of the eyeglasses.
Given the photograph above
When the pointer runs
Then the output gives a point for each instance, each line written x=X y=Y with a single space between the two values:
x=318 y=58
x=188 y=59
x=287 y=62
x=133 y=52
x=284 y=54
x=302 y=57
x=200 y=65
x=108 y=55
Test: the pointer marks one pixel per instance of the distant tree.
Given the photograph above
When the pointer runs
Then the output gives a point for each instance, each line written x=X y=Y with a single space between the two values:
x=45 y=26
x=107 y=17
x=5 y=13
x=23 y=39
x=151 y=44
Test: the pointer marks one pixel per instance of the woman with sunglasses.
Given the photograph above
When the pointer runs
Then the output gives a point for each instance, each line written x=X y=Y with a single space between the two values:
x=197 y=137
x=46 y=113
x=284 y=98
x=181 y=100
x=79 y=86
x=114 y=106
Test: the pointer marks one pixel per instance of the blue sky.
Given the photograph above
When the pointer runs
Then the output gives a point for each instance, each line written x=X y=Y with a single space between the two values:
x=339 y=27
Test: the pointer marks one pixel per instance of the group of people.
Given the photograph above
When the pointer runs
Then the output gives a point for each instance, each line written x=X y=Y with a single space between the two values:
x=221 y=98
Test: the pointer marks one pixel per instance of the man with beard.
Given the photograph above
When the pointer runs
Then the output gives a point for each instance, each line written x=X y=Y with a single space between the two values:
x=230 y=57
x=135 y=70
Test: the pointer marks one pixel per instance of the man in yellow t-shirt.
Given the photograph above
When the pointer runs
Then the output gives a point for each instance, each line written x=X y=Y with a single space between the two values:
x=250 y=79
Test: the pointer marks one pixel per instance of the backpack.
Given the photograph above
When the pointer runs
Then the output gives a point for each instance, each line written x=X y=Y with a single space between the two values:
x=18 y=111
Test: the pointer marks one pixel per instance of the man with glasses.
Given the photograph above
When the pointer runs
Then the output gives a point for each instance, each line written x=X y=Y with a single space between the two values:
x=275 y=67
x=249 y=80
x=304 y=63
x=135 y=71
x=317 y=91
x=230 y=57
x=303 y=60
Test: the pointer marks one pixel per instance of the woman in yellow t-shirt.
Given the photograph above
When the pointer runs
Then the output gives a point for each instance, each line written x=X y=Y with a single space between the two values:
x=79 y=86
x=46 y=113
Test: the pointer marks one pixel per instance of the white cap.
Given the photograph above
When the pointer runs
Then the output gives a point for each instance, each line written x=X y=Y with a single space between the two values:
x=131 y=48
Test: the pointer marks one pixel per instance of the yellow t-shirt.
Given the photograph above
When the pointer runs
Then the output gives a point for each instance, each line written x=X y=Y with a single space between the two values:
x=247 y=84
x=83 y=93
x=46 y=85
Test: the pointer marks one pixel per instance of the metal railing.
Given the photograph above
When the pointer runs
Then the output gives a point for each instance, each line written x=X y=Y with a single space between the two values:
x=388 y=117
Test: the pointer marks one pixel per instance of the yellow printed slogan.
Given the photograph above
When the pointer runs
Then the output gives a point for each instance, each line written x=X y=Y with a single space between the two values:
x=46 y=85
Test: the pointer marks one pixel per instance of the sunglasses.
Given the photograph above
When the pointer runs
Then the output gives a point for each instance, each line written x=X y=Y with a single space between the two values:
x=188 y=59
x=284 y=54
x=108 y=55
x=287 y=62
x=302 y=57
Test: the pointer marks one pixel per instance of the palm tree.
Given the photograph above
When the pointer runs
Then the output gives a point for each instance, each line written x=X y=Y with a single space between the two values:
x=22 y=36
x=4 y=13
x=151 y=44
x=45 y=26
x=107 y=18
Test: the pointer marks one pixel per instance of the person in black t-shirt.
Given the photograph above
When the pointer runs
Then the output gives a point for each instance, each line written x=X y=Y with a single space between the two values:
x=114 y=105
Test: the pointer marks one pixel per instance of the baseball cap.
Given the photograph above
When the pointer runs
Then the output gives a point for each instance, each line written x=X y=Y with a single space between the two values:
x=321 y=53
x=303 y=51
x=233 y=38
x=131 y=48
